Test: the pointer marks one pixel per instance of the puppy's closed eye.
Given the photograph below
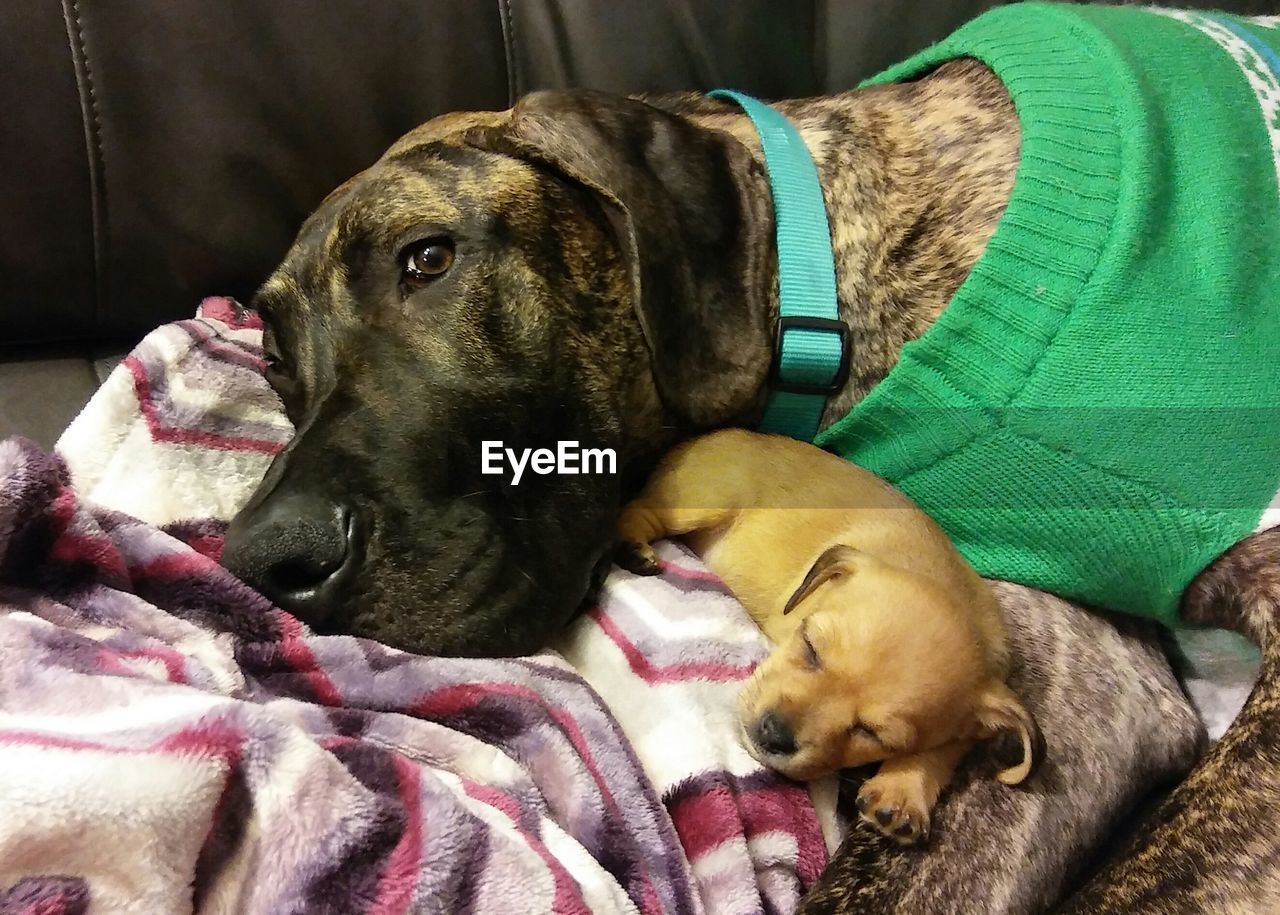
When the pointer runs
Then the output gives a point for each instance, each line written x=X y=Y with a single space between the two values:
x=811 y=657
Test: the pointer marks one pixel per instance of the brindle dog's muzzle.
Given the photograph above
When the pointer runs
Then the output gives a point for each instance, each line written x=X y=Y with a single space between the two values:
x=302 y=552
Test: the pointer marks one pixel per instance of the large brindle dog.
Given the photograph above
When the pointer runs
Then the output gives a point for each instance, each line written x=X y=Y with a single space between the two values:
x=602 y=269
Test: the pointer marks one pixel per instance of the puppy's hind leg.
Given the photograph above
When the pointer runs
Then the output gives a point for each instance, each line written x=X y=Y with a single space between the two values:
x=684 y=494
x=644 y=521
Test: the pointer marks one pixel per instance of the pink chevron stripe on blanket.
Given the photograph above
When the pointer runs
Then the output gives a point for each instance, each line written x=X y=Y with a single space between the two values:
x=680 y=670
x=269 y=769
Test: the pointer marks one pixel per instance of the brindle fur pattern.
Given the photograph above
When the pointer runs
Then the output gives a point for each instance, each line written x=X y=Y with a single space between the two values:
x=392 y=395
x=1212 y=846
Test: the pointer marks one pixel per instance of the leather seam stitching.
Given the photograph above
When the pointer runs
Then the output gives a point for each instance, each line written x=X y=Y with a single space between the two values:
x=509 y=46
x=92 y=122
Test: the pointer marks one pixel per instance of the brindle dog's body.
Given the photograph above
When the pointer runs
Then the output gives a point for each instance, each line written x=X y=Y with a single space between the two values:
x=615 y=283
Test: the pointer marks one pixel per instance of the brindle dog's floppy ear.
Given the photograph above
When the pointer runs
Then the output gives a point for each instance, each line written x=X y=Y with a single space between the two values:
x=836 y=560
x=998 y=709
x=692 y=212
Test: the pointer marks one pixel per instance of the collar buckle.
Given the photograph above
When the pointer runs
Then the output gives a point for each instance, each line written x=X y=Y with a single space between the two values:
x=814 y=326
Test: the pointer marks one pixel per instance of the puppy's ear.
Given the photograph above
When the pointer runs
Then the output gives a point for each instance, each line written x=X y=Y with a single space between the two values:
x=691 y=211
x=836 y=560
x=998 y=709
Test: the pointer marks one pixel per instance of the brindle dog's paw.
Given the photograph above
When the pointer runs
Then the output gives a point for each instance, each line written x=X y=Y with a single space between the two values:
x=638 y=558
x=896 y=807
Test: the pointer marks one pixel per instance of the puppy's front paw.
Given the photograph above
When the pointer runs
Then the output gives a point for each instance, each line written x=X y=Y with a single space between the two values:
x=638 y=558
x=897 y=805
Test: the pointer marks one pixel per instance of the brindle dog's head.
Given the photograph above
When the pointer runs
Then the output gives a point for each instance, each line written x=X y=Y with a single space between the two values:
x=582 y=268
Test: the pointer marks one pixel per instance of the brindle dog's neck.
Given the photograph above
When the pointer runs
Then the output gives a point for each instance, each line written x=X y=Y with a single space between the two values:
x=915 y=177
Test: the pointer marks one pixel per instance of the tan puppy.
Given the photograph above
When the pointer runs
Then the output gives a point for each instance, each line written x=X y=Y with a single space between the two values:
x=890 y=647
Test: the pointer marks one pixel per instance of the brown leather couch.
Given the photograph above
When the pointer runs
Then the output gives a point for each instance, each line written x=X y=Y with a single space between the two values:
x=152 y=153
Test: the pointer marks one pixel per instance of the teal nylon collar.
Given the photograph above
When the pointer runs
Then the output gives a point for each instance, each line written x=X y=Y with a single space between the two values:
x=811 y=349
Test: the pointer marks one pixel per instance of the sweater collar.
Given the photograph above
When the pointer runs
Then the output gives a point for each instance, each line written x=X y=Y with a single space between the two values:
x=950 y=386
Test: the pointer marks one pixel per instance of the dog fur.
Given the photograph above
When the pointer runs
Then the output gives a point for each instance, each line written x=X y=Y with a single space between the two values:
x=890 y=648
x=1212 y=845
x=616 y=284
x=574 y=311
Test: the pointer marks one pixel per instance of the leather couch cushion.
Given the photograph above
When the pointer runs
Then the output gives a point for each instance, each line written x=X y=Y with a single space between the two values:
x=209 y=131
x=46 y=225
x=760 y=46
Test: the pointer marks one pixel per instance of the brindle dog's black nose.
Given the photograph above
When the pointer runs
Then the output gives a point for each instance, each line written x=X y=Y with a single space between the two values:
x=298 y=551
x=774 y=735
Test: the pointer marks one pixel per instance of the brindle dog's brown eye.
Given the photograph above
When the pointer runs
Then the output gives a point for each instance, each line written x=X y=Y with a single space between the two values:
x=426 y=260
x=271 y=357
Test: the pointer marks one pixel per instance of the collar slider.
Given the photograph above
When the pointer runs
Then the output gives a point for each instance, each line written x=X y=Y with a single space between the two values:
x=815 y=327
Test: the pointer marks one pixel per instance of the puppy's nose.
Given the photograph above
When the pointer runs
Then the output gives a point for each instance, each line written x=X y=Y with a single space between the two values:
x=773 y=735
x=299 y=551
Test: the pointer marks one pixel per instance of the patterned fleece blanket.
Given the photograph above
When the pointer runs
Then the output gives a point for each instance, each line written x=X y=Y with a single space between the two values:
x=170 y=742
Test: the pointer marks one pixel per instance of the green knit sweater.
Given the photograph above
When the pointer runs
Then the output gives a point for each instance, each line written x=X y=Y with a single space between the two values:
x=1097 y=412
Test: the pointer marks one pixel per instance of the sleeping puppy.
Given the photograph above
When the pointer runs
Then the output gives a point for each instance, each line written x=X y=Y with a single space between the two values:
x=890 y=647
